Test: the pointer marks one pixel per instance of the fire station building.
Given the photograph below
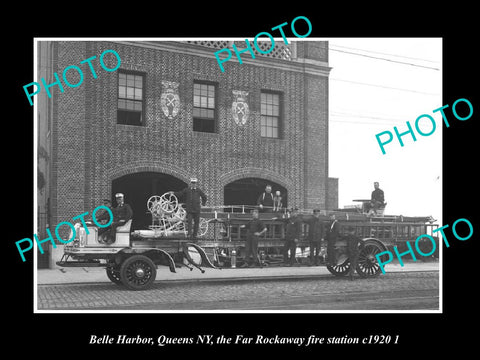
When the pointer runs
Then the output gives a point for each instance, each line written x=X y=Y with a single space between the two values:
x=169 y=113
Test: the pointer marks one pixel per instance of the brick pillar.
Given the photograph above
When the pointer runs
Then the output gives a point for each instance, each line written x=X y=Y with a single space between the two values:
x=69 y=140
x=316 y=124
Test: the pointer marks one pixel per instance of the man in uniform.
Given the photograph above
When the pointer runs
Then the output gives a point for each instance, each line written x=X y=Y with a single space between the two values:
x=265 y=200
x=332 y=236
x=315 y=236
x=121 y=214
x=194 y=199
x=255 y=229
x=378 y=198
x=293 y=232
x=353 y=250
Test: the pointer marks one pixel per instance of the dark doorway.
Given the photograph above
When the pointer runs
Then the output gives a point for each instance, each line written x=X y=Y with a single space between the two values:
x=138 y=188
x=246 y=191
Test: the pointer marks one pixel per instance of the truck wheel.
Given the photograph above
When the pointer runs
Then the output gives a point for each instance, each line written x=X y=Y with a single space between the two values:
x=138 y=272
x=367 y=264
x=340 y=269
x=114 y=275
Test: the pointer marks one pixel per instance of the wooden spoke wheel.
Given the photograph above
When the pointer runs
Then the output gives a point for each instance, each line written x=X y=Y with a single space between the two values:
x=340 y=269
x=367 y=263
x=138 y=272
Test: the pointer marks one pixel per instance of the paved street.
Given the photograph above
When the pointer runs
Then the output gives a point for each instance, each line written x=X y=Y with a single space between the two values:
x=393 y=291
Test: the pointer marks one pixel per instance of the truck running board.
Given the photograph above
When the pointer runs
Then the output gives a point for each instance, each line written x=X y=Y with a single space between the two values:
x=80 y=263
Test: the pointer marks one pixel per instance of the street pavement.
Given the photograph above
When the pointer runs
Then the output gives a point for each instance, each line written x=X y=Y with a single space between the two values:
x=98 y=275
x=403 y=290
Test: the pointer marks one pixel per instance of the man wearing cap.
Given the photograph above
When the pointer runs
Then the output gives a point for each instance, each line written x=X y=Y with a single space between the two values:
x=293 y=232
x=194 y=198
x=121 y=214
x=265 y=200
x=315 y=236
x=378 y=198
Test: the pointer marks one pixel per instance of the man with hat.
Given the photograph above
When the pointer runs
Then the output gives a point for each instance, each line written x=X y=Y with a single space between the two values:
x=265 y=200
x=121 y=214
x=377 y=200
x=315 y=236
x=194 y=198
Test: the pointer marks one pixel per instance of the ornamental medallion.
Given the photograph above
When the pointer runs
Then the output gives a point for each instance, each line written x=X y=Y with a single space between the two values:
x=169 y=100
x=240 y=109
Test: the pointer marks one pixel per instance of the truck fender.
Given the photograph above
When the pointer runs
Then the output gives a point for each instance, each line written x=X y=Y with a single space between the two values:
x=158 y=256
x=370 y=240
x=205 y=260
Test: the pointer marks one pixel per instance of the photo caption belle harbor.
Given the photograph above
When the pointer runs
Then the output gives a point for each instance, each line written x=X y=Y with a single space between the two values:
x=208 y=339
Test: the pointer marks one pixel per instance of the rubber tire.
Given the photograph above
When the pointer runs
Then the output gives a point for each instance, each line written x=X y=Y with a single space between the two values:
x=130 y=265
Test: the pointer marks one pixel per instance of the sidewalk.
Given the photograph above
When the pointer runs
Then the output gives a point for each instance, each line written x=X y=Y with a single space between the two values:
x=98 y=275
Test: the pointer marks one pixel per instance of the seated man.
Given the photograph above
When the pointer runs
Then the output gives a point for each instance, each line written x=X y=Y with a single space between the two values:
x=377 y=201
x=121 y=214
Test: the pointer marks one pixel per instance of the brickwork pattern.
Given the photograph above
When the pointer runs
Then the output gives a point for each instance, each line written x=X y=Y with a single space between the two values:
x=91 y=150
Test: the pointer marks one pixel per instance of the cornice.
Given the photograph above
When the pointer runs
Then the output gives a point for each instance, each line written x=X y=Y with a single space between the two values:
x=302 y=65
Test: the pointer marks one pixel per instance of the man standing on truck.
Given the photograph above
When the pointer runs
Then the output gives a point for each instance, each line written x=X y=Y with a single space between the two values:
x=194 y=199
x=265 y=200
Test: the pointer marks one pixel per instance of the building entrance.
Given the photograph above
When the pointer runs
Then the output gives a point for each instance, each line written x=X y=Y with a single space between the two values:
x=138 y=188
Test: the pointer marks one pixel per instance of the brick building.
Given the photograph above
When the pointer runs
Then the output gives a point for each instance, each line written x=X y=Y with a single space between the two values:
x=169 y=113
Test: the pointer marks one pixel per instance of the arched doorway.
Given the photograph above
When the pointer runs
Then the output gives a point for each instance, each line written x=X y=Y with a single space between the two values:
x=138 y=188
x=247 y=190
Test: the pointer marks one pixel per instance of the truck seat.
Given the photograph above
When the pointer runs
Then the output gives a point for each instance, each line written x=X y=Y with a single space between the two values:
x=125 y=228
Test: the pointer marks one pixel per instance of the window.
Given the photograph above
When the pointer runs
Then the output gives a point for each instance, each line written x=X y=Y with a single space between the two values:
x=270 y=115
x=130 y=109
x=204 y=118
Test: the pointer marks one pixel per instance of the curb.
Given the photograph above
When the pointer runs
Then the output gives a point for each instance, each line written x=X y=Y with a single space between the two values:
x=51 y=277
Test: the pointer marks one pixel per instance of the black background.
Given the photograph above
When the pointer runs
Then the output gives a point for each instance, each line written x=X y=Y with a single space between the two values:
x=60 y=335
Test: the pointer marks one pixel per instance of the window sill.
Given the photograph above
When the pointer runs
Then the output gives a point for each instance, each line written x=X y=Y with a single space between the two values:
x=204 y=133
x=128 y=126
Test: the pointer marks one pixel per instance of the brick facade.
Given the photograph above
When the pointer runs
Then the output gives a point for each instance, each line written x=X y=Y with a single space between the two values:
x=90 y=149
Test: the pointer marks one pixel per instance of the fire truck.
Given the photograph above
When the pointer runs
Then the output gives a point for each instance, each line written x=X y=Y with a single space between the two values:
x=132 y=258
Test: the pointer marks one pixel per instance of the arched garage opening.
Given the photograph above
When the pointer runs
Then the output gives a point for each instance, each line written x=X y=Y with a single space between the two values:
x=247 y=190
x=138 y=188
